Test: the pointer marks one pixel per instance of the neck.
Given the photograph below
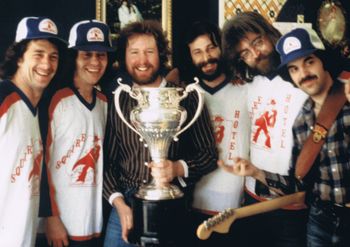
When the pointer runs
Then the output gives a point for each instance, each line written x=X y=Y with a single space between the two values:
x=320 y=98
x=85 y=90
x=32 y=94
x=217 y=81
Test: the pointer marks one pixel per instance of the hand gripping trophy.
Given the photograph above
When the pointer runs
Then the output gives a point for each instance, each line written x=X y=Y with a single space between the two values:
x=157 y=119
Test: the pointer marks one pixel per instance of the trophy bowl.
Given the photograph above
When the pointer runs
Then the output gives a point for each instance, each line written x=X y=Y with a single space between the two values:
x=158 y=208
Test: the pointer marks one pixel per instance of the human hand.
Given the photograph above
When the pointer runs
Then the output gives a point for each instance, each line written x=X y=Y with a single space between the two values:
x=165 y=171
x=125 y=215
x=56 y=232
x=241 y=167
x=347 y=91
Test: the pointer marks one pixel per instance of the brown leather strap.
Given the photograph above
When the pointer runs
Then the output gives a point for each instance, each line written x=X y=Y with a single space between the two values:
x=328 y=113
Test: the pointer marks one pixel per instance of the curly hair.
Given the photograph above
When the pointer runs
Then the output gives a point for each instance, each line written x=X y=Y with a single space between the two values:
x=146 y=27
x=235 y=30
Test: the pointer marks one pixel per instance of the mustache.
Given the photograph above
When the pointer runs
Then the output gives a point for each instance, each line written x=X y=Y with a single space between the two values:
x=209 y=61
x=307 y=78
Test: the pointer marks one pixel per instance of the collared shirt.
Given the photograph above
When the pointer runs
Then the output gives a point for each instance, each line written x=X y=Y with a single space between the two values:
x=126 y=156
x=330 y=174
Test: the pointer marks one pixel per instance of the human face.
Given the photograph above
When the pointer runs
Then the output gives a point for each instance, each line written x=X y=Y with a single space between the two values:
x=89 y=67
x=258 y=52
x=206 y=57
x=309 y=75
x=37 y=66
x=142 y=59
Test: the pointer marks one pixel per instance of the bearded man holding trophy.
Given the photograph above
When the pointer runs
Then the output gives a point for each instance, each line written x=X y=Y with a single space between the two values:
x=159 y=143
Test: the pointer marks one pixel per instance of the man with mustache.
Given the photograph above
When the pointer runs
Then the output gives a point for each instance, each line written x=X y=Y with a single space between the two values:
x=327 y=183
x=218 y=190
x=273 y=104
x=143 y=53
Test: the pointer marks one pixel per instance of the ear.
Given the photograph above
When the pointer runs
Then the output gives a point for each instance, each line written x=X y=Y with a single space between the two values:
x=20 y=61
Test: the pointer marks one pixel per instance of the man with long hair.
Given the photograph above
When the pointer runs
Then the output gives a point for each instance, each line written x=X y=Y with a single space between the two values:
x=273 y=103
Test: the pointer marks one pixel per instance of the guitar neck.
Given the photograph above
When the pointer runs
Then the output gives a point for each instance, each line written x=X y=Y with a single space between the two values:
x=221 y=222
x=270 y=205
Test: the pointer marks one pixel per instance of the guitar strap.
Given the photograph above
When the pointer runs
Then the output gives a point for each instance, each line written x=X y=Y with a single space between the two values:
x=334 y=102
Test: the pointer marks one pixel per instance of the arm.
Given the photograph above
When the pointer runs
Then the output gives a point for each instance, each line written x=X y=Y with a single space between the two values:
x=125 y=215
x=111 y=151
x=55 y=230
x=198 y=145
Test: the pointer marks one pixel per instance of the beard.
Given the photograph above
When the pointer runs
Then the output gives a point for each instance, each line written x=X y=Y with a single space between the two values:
x=144 y=80
x=265 y=64
x=212 y=76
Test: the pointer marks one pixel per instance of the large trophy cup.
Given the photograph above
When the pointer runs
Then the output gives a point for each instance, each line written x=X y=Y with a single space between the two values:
x=158 y=117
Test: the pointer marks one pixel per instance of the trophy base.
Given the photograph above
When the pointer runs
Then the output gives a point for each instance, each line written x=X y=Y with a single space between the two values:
x=159 y=223
x=155 y=193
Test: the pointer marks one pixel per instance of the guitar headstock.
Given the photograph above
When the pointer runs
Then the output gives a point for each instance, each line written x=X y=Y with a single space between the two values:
x=219 y=223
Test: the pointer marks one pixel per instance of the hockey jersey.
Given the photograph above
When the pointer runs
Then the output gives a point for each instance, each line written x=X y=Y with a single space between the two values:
x=219 y=189
x=75 y=161
x=21 y=153
x=273 y=106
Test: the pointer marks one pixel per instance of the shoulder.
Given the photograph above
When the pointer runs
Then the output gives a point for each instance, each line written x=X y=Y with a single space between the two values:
x=59 y=96
x=8 y=95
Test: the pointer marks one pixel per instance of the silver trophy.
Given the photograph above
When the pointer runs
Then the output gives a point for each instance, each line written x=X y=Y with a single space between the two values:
x=158 y=119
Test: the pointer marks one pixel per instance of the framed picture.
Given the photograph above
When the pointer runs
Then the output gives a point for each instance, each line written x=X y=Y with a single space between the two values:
x=118 y=13
x=267 y=8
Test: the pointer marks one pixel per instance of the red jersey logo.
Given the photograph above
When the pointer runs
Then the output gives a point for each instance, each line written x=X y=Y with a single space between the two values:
x=266 y=121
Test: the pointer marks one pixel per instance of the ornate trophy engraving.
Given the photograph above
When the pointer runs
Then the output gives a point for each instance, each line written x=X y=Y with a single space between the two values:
x=157 y=118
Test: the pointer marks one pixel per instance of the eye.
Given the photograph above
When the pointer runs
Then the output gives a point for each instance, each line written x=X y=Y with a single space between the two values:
x=258 y=42
x=54 y=57
x=244 y=55
x=292 y=70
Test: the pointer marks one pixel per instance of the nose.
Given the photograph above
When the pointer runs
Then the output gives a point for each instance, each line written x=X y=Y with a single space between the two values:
x=94 y=60
x=255 y=52
x=46 y=63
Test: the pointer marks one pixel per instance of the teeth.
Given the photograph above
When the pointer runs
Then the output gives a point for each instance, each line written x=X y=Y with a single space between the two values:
x=93 y=70
x=43 y=73
x=142 y=68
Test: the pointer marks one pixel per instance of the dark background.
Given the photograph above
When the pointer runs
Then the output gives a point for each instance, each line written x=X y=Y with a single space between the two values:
x=66 y=12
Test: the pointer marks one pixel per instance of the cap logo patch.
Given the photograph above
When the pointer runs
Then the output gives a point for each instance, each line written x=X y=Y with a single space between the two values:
x=95 y=35
x=48 y=26
x=291 y=44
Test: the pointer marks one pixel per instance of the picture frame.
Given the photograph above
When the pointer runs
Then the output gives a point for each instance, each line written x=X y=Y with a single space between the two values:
x=107 y=11
x=268 y=9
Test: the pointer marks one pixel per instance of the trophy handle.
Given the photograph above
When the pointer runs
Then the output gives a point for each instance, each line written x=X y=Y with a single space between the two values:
x=126 y=88
x=192 y=87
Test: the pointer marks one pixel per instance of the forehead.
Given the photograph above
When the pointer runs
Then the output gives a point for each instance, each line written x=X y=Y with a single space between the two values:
x=201 y=40
x=301 y=60
x=43 y=45
x=141 y=41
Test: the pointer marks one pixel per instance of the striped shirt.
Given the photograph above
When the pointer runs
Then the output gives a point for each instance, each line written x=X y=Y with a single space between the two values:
x=330 y=175
x=126 y=156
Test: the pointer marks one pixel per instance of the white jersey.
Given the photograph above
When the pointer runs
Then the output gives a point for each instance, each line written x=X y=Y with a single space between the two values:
x=273 y=106
x=21 y=153
x=219 y=189
x=75 y=161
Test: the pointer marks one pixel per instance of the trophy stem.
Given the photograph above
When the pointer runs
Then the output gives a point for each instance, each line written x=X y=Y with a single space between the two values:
x=153 y=191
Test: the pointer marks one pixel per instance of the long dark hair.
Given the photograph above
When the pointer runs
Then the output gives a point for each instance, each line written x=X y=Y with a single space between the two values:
x=148 y=27
x=235 y=30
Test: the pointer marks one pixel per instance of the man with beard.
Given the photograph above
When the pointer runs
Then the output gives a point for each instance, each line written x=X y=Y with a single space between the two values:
x=327 y=182
x=218 y=190
x=248 y=44
x=143 y=53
